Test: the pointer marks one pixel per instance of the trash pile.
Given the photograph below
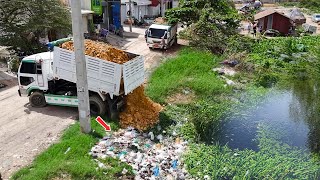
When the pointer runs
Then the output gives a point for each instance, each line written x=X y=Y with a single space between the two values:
x=140 y=112
x=148 y=159
x=100 y=50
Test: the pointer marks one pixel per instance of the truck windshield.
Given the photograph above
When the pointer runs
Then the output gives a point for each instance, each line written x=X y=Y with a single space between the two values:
x=28 y=67
x=157 y=33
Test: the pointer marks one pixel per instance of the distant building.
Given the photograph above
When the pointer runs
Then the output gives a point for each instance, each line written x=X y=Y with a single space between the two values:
x=141 y=9
x=271 y=19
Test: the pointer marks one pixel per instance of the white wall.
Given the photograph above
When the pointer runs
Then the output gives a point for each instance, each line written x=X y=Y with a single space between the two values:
x=175 y=3
x=85 y=4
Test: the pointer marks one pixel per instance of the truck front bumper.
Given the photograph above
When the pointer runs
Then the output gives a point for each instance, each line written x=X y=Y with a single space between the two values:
x=157 y=46
x=22 y=92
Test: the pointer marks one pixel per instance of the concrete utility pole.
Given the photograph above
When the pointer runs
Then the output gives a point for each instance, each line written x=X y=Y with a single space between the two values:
x=130 y=16
x=162 y=8
x=81 y=70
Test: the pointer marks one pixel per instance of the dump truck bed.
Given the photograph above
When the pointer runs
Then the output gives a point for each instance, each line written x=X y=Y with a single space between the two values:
x=103 y=76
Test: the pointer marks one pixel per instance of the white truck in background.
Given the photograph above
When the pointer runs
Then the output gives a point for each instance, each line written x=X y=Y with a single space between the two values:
x=161 y=35
x=50 y=78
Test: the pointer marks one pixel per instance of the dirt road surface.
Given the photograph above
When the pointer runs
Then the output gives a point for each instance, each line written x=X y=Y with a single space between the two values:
x=25 y=131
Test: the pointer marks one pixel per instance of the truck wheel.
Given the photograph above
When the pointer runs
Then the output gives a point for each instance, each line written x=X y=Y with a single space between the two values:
x=112 y=112
x=37 y=99
x=97 y=106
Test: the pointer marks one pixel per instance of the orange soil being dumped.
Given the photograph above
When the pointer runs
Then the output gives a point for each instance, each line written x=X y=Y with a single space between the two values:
x=100 y=50
x=140 y=112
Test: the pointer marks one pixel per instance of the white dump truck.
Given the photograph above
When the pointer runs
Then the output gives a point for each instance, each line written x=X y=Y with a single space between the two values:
x=50 y=78
x=161 y=35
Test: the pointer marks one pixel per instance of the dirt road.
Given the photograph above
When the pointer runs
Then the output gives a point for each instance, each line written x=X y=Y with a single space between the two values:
x=27 y=131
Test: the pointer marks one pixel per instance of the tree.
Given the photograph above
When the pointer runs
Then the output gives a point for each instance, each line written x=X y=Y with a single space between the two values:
x=313 y=5
x=23 y=22
x=213 y=22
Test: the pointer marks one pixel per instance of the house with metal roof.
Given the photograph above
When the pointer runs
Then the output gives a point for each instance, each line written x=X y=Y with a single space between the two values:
x=271 y=19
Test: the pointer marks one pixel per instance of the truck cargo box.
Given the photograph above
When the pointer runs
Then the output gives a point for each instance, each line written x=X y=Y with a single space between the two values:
x=103 y=76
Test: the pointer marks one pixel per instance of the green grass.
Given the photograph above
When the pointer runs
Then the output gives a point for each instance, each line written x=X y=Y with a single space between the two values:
x=190 y=69
x=310 y=7
x=274 y=160
x=77 y=163
x=200 y=120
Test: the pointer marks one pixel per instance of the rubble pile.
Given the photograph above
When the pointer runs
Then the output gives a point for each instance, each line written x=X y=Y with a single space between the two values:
x=140 y=112
x=148 y=159
x=100 y=50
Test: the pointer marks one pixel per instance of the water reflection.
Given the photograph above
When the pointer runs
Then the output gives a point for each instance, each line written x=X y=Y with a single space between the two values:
x=306 y=103
x=294 y=109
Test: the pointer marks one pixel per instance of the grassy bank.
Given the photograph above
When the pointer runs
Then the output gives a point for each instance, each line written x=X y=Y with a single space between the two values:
x=190 y=69
x=313 y=6
x=274 y=160
x=270 y=62
x=191 y=73
x=60 y=163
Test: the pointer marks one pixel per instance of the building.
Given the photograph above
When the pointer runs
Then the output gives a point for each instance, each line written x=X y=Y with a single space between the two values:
x=271 y=19
x=86 y=12
x=146 y=8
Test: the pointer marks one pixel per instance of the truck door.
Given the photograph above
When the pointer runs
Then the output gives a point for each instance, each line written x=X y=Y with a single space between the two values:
x=27 y=76
x=40 y=78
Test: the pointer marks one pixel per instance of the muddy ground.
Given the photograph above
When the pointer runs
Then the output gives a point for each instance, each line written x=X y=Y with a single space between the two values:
x=25 y=131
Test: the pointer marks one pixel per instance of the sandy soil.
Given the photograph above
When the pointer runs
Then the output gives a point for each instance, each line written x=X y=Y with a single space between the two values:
x=25 y=131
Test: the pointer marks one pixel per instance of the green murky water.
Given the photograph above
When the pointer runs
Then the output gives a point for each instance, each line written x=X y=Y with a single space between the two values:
x=291 y=111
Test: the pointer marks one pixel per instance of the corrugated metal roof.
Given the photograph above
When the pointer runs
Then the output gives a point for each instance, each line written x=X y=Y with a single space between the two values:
x=296 y=14
x=267 y=13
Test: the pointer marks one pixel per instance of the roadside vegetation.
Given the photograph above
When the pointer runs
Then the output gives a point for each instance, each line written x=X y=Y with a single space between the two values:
x=267 y=63
x=23 y=24
x=69 y=158
x=312 y=6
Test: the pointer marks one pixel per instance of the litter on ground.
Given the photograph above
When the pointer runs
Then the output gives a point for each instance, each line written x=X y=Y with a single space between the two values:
x=149 y=160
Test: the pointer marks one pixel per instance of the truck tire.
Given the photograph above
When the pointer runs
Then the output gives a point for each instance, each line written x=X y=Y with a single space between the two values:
x=97 y=106
x=37 y=99
x=112 y=112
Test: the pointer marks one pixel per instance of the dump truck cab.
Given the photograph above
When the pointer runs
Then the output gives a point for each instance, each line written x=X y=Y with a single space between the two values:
x=33 y=73
x=161 y=36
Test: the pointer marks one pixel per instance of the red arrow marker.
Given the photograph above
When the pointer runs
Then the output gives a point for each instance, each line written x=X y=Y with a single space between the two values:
x=103 y=124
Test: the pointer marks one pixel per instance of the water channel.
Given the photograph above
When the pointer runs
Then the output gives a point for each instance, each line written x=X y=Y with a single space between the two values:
x=292 y=111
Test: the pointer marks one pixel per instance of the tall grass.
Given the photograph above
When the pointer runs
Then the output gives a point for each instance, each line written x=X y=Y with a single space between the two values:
x=190 y=69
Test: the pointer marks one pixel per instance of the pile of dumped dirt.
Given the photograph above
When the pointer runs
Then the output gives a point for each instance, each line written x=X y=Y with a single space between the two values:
x=161 y=20
x=100 y=50
x=140 y=112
